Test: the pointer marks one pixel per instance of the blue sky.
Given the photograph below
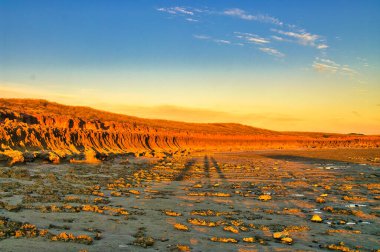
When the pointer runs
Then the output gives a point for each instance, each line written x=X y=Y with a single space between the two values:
x=264 y=63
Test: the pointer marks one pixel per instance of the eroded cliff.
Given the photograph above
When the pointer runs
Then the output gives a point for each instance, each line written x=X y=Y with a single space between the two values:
x=37 y=129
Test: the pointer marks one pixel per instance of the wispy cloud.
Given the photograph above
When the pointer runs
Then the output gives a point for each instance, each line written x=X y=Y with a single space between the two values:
x=322 y=67
x=192 y=20
x=328 y=61
x=347 y=70
x=201 y=36
x=283 y=32
x=239 y=13
x=363 y=61
x=326 y=65
x=278 y=38
x=272 y=51
x=330 y=66
x=322 y=46
x=222 y=41
x=218 y=41
x=177 y=10
x=251 y=38
x=258 y=40
x=189 y=14
x=303 y=38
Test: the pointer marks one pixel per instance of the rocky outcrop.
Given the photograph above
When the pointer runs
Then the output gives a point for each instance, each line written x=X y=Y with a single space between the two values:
x=31 y=129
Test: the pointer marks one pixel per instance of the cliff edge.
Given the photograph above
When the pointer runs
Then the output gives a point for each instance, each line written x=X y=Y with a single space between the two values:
x=38 y=129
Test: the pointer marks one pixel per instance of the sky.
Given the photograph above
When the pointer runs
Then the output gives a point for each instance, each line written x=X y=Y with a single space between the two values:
x=288 y=65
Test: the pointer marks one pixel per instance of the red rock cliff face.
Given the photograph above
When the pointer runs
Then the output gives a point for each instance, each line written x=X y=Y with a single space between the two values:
x=37 y=126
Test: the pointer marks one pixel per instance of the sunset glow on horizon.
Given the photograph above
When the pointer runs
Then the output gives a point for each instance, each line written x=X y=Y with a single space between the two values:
x=280 y=65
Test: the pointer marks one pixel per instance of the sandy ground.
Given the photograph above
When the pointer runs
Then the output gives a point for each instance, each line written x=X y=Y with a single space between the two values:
x=136 y=204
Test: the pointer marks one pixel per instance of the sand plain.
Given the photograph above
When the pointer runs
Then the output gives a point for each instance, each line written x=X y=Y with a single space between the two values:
x=283 y=200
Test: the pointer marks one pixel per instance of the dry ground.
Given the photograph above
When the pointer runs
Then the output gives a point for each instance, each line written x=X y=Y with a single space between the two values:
x=248 y=201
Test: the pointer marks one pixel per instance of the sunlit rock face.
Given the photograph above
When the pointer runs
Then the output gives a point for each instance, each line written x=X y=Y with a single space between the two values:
x=39 y=129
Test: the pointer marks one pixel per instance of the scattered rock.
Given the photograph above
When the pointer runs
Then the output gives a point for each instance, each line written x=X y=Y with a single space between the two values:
x=265 y=197
x=316 y=218
x=144 y=242
x=223 y=239
x=181 y=227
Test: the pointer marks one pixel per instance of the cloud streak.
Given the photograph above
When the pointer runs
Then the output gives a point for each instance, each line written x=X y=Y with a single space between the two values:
x=283 y=32
x=218 y=41
x=322 y=46
x=222 y=41
x=190 y=14
x=177 y=10
x=272 y=51
x=239 y=13
x=277 y=38
x=322 y=67
x=301 y=37
x=201 y=37
x=329 y=66
x=192 y=20
x=251 y=38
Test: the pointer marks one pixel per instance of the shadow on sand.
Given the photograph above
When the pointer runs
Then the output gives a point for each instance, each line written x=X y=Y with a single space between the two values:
x=206 y=165
x=308 y=160
x=218 y=170
x=185 y=170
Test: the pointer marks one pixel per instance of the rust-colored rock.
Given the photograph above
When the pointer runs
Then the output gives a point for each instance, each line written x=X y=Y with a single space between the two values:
x=49 y=131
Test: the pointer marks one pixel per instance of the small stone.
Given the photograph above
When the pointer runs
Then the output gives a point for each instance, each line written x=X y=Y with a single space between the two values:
x=181 y=227
x=316 y=218
x=287 y=240
x=279 y=235
x=264 y=197
x=249 y=239
x=320 y=200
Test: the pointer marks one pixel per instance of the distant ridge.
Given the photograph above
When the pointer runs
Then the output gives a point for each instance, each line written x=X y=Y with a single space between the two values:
x=38 y=129
x=43 y=107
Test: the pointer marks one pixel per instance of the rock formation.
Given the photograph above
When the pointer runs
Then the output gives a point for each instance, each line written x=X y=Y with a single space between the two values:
x=31 y=129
